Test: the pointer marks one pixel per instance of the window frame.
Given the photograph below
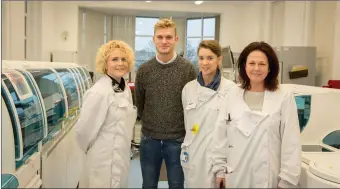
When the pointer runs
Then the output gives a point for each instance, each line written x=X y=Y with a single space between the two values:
x=216 y=32
x=142 y=35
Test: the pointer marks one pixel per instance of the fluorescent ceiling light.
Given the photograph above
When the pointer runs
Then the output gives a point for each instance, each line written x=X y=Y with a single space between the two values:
x=148 y=1
x=198 y=2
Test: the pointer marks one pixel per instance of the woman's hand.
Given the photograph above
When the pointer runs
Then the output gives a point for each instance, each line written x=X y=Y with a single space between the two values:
x=220 y=182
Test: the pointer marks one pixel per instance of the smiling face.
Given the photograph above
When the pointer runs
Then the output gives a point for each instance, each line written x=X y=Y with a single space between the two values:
x=208 y=62
x=117 y=64
x=257 y=67
x=165 y=40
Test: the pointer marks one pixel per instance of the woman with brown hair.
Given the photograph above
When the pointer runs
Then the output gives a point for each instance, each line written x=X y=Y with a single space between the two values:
x=201 y=99
x=257 y=138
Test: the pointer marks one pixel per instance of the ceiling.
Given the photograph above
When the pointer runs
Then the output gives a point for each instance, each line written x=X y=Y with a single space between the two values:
x=148 y=13
x=209 y=8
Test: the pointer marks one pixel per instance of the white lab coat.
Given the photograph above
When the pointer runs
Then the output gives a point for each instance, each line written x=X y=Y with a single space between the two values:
x=104 y=133
x=201 y=106
x=258 y=149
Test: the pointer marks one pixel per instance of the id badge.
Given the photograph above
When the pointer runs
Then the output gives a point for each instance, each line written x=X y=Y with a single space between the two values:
x=185 y=157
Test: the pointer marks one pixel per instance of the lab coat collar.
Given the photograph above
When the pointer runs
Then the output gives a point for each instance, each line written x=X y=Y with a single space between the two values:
x=268 y=101
x=204 y=93
x=106 y=83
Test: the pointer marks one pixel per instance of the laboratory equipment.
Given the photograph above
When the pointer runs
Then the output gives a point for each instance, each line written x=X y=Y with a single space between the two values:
x=229 y=65
x=297 y=65
x=40 y=105
x=318 y=110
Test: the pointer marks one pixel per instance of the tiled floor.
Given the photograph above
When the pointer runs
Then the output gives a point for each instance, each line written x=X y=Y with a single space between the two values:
x=135 y=176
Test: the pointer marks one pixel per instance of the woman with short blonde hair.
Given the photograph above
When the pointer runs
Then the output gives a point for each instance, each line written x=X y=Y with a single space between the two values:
x=105 y=126
x=105 y=51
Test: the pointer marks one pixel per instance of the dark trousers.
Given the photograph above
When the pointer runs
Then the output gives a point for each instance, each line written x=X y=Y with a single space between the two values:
x=152 y=153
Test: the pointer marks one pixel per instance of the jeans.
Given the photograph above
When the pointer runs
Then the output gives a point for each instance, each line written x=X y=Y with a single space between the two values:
x=152 y=152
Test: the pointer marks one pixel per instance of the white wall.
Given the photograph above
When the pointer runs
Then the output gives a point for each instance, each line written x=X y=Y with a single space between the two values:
x=292 y=23
x=47 y=30
x=277 y=23
x=94 y=38
x=13 y=25
x=181 y=27
x=58 y=17
x=324 y=40
x=231 y=23
x=336 y=47
x=34 y=30
x=296 y=24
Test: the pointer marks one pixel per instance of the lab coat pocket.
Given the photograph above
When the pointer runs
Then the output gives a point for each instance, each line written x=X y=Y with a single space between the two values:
x=189 y=108
x=122 y=108
x=123 y=104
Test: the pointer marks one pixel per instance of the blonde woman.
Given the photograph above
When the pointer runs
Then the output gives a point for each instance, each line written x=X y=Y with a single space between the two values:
x=104 y=129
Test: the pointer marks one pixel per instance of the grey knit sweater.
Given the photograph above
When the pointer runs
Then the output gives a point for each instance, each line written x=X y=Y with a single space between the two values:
x=158 y=90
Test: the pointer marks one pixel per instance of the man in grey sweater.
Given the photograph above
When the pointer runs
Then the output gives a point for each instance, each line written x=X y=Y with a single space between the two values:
x=158 y=89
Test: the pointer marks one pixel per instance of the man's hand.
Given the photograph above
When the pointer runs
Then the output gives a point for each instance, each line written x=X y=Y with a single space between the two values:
x=220 y=182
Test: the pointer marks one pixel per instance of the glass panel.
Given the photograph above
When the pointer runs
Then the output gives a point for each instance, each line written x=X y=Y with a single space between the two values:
x=84 y=78
x=208 y=38
x=70 y=89
x=86 y=72
x=80 y=87
x=79 y=79
x=34 y=90
x=88 y=76
x=145 y=26
x=333 y=139
x=303 y=106
x=28 y=109
x=194 y=28
x=209 y=27
x=145 y=50
x=83 y=75
x=83 y=82
x=191 y=50
x=54 y=100
x=12 y=112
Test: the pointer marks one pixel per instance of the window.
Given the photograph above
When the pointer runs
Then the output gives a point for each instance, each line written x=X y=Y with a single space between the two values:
x=198 y=29
x=144 y=46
